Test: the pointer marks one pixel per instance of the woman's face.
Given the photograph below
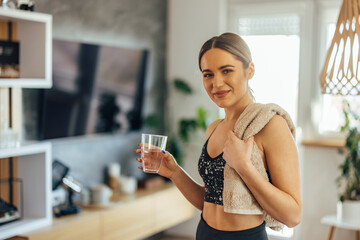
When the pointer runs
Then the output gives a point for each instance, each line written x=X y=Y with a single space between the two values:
x=224 y=77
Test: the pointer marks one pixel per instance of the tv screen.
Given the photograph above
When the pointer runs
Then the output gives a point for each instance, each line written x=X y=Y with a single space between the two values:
x=95 y=89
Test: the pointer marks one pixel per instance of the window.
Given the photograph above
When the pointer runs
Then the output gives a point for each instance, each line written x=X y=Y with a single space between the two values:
x=276 y=59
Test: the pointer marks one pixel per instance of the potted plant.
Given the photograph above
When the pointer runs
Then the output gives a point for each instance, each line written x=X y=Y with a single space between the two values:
x=349 y=182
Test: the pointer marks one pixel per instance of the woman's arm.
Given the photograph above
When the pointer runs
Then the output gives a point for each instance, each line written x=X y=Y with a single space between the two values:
x=191 y=190
x=282 y=198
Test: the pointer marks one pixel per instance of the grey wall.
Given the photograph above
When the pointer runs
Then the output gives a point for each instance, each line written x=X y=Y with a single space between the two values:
x=124 y=23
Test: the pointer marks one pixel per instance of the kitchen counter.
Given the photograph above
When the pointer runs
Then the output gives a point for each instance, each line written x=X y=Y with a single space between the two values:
x=135 y=216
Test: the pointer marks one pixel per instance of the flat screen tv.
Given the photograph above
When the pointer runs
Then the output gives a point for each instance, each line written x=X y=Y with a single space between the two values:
x=96 y=89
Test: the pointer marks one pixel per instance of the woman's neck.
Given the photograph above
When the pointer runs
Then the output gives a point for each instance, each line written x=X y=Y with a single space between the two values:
x=232 y=113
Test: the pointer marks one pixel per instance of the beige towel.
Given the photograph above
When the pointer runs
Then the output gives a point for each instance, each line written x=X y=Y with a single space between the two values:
x=237 y=197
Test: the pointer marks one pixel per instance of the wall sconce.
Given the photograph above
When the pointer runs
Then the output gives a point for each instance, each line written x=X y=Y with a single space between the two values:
x=341 y=72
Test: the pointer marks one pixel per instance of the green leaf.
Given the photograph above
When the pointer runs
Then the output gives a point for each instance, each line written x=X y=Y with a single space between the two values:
x=201 y=117
x=350 y=169
x=152 y=120
x=182 y=86
x=186 y=126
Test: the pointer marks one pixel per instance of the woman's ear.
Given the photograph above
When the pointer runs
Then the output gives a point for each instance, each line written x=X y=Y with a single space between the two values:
x=250 y=70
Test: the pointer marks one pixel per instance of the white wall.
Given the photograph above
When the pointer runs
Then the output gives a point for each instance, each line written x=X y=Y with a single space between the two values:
x=320 y=169
x=190 y=23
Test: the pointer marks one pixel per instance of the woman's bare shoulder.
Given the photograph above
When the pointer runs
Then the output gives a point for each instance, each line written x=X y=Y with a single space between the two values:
x=277 y=122
x=211 y=127
x=277 y=129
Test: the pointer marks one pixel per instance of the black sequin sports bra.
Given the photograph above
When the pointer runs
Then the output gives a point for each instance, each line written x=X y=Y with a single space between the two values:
x=212 y=172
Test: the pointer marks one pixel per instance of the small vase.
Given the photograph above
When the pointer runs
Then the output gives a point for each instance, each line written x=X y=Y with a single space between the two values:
x=349 y=211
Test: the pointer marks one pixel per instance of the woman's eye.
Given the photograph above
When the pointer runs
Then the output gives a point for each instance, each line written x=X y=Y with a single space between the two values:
x=207 y=75
x=226 y=71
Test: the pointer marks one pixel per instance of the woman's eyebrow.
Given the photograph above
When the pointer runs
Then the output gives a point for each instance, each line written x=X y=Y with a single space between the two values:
x=222 y=67
x=225 y=66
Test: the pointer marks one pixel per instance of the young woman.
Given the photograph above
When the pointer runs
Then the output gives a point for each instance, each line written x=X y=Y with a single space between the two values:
x=226 y=66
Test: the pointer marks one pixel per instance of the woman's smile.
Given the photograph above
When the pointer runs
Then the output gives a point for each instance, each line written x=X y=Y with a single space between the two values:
x=221 y=94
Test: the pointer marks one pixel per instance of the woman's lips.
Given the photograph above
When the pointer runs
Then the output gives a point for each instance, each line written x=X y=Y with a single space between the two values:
x=221 y=94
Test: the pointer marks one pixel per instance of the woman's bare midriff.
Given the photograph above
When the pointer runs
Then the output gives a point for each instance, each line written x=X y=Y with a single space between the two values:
x=215 y=217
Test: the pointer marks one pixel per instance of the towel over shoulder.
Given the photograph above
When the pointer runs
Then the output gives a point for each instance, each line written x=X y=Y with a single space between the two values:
x=237 y=197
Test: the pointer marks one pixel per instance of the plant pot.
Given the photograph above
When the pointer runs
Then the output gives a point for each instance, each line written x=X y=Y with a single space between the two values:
x=348 y=211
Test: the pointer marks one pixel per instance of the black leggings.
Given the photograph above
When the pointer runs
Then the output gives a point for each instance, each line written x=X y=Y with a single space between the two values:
x=205 y=232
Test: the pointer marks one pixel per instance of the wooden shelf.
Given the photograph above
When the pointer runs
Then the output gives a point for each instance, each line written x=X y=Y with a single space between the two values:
x=134 y=216
x=35 y=37
x=324 y=142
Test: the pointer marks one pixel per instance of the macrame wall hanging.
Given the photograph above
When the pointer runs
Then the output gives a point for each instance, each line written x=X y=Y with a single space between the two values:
x=341 y=72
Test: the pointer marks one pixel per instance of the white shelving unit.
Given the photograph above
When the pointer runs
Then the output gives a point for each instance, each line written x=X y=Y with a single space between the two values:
x=34 y=32
x=34 y=168
x=35 y=37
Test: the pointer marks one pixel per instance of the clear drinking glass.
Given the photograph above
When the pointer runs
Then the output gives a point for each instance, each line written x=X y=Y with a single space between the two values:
x=151 y=154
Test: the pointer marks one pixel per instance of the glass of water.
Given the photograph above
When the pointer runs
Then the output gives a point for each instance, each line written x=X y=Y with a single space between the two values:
x=151 y=151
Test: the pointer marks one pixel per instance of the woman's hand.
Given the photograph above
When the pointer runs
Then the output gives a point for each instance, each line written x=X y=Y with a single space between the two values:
x=237 y=152
x=168 y=165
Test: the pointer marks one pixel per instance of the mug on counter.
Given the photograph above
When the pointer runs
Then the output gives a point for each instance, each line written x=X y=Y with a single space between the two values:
x=127 y=185
x=100 y=194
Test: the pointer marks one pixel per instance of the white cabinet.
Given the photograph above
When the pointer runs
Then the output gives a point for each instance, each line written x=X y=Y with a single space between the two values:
x=35 y=37
x=34 y=168
x=34 y=32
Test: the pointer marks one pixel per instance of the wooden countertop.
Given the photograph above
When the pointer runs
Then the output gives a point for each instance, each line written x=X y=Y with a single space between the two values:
x=134 y=216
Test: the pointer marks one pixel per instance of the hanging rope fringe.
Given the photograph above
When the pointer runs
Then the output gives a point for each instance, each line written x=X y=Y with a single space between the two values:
x=341 y=72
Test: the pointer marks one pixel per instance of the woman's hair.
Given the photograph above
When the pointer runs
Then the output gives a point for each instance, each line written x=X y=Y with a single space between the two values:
x=230 y=42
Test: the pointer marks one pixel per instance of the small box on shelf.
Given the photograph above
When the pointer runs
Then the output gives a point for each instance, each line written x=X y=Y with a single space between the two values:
x=9 y=59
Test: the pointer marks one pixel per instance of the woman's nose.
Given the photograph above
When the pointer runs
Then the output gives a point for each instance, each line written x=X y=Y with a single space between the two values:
x=218 y=81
